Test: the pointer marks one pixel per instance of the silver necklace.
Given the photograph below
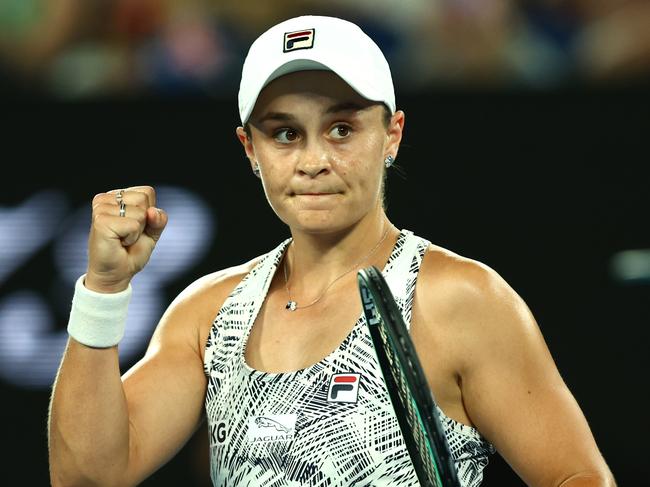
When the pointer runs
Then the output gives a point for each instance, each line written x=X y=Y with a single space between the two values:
x=293 y=306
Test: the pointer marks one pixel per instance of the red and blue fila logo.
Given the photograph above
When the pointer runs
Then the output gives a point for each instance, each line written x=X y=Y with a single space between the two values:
x=344 y=388
x=300 y=39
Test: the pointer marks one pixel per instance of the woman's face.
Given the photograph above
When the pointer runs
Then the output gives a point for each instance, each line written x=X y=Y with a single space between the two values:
x=320 y=148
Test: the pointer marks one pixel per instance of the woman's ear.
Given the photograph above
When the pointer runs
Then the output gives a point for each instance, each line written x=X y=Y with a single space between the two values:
x=394 y=133
x=247 y=142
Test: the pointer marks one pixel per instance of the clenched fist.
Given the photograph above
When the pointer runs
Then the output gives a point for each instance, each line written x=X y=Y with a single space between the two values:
x=121 y=242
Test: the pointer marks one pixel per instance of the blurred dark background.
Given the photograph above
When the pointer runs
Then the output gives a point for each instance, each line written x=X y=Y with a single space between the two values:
x=526 y=147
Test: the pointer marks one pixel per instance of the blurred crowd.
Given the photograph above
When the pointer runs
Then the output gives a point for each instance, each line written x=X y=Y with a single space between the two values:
x=82 y=48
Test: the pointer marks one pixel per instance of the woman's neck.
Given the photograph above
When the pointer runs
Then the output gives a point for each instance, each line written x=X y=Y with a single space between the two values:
x=313 y=261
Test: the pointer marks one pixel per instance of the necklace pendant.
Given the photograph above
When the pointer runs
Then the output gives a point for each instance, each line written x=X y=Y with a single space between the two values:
x=292 y=306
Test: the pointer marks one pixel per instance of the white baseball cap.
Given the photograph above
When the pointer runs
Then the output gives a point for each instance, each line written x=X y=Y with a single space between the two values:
x=312 y=42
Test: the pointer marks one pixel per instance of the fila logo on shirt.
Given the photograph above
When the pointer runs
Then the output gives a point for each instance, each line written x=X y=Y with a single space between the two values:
x=344 y=388
x=300 y=39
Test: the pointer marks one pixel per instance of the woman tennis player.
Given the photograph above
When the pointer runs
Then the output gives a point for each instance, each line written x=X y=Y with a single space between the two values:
x=274 y=354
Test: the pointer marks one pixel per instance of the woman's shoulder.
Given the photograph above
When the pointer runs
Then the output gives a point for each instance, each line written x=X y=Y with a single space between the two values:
x=217 y=285
x=210 y=291
x=472 y=305
x=447 y=265
x=194 y=308
x=460 y=284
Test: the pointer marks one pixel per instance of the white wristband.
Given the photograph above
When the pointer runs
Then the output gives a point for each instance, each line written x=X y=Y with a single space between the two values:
x=98 y=319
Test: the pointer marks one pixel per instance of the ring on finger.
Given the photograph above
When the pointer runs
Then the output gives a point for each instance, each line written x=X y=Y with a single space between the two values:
x=122 y=208
x=119 y=195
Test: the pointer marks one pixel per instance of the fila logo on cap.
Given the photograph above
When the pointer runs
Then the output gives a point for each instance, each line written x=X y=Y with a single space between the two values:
x=300 y=39
x=344 y=388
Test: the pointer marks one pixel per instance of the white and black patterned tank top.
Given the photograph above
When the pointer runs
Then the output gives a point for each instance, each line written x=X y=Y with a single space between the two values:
x=330 y=424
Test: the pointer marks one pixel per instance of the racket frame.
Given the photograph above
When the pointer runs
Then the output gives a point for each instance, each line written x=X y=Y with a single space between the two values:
x=434 y=467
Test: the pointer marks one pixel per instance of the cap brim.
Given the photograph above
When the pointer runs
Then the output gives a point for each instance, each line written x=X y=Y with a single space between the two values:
x=307 y=64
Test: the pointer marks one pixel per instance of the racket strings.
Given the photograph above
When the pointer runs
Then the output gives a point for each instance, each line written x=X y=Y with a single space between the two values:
x=414 y=419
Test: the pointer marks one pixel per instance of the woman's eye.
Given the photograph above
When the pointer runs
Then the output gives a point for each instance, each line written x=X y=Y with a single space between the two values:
x=340 y=131
x=285 y=136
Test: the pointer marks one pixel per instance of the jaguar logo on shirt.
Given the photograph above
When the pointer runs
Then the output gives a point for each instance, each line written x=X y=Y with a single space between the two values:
x=271 y=427
x=265 y=422
x=344 y=388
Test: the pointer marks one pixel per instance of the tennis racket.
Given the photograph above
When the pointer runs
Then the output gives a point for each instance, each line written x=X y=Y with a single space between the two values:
x=409 y=392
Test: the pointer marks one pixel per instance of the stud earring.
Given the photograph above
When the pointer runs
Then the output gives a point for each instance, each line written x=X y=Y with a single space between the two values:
x=389 y=161
x=256 y=170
